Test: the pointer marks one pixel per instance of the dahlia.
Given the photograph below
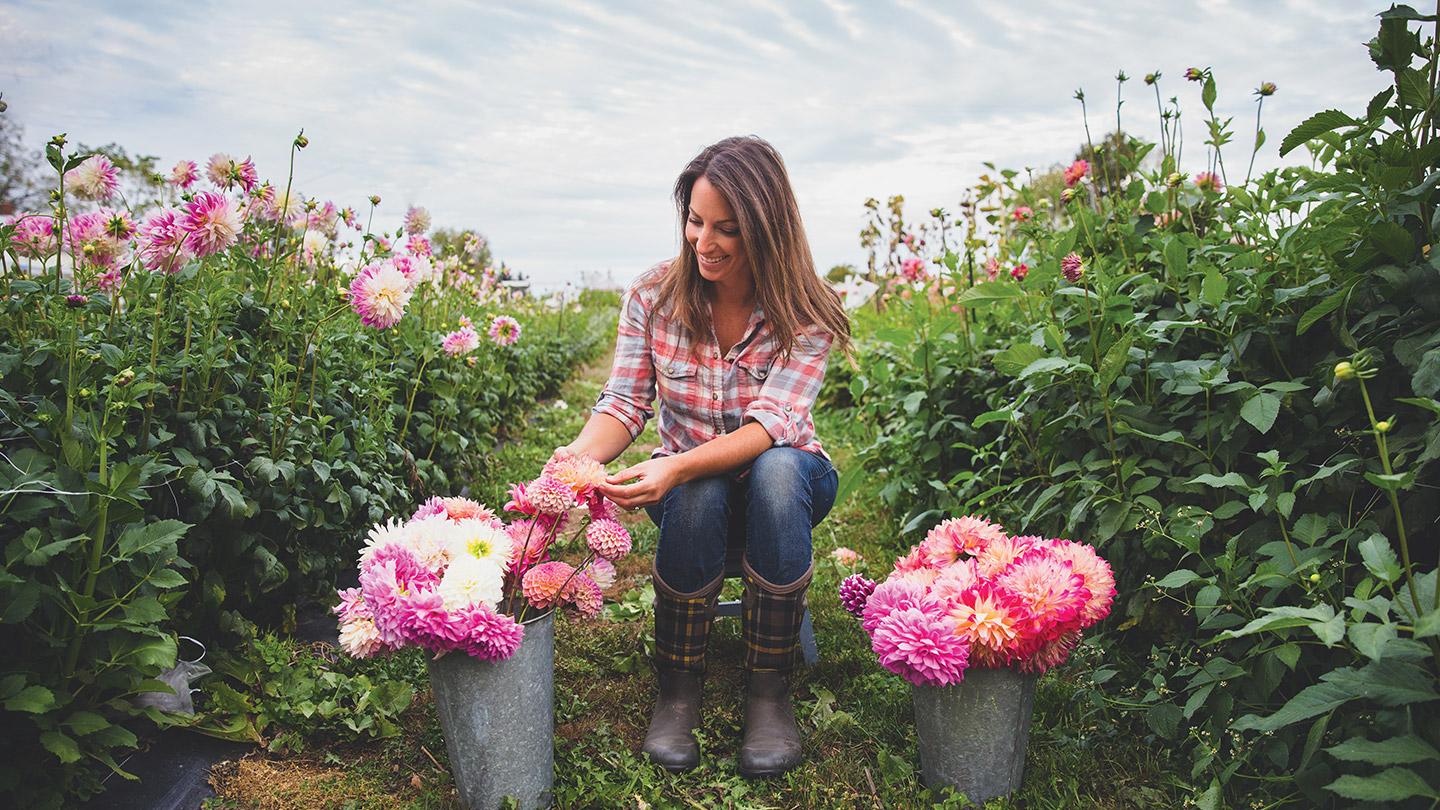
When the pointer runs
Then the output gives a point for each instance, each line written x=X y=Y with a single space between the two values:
x=550 y=495
x=580 y=472
x=481 y=540
x=921 y=648
x=286 y=206
x=379 y=294
x=472 y=581
x=217 y=170
x=504 y=330
x=968 y=535
x=912 y=269
x=490 y=636
x=891 y=595
x=359 y=638
x=528 y=544
x=999 y=553
x=607 y=538
x=847 y=557
x=460 y=342
x=34 y=235
x=393 y=532
x=352 y=605
x=1095 y=572
x=543 y=583
x=992 y=269
x=433 y=541
x=211 y=222
x=586 y=594
x=434 y=506
x=601 y=507
x=955 y=580
x=89 y=243
x=419 y=246
x=1020 y=271
x=1209 y=181
x=1022 y=213
x=118 y=225
x=1075 y=172
x=601 y=571
x=95 y=179
x=417 y=220
x=1071 y=267
x=912 y=560
x=1051 y=654
x=1050 y=591
x=109 y=281
x=162 y=242
x=988 y=617
x=184 y=174
x=421 y=617
x=855 y=591
x=463 y=508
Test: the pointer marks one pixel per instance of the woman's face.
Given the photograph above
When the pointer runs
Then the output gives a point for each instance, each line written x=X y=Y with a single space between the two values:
x=713 y=231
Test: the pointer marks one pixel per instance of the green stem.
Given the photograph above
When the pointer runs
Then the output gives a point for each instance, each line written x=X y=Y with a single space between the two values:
x=1384 y=451
x=410 y=405
x=97 y=549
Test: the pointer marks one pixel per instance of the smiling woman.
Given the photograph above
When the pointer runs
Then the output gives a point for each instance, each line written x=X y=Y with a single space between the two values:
x=734 y=335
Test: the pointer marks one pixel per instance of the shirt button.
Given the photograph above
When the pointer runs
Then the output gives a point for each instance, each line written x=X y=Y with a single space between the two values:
x=715 y=396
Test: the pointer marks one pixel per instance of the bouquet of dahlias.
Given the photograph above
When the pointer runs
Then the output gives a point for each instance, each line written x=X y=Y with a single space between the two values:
x=457 y=577
x=972 y=595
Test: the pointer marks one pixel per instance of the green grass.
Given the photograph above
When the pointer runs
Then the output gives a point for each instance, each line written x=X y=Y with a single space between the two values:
x=860 y=739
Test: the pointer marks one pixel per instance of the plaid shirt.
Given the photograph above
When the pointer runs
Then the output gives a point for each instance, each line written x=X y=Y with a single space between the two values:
x=702 y=394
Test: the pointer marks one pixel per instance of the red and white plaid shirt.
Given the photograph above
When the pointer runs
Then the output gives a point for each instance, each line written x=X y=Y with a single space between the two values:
x=702 y=394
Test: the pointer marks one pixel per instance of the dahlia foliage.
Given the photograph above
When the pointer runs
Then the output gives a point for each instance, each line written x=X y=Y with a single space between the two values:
x=456 y=577
x=972 y=595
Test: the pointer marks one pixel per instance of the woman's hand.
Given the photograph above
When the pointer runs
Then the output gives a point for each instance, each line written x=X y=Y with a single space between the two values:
x=652 y=478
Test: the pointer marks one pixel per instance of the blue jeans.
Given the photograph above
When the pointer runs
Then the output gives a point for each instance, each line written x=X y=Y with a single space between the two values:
x=786 y=494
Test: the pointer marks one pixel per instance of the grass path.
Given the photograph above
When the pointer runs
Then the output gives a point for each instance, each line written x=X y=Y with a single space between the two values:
x=860 y=744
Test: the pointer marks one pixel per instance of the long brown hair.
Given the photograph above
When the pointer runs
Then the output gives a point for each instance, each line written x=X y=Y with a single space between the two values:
x=749 y=174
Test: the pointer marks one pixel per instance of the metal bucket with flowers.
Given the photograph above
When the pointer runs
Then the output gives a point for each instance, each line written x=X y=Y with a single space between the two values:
x=971 y=617
x=480 y=594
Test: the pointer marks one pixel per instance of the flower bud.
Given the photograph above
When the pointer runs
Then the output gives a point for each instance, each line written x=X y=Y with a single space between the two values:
x=374 y=199
x=1174 y=179
x=125 y=376
x=1266 y=89
x=1066 y=195
x=1151 y=78
x=58 y=140
x=301 y=141
x=75 y=301
x=1344 y=370
x=1314 y=577
x=1383 y=426
x=1194 y=74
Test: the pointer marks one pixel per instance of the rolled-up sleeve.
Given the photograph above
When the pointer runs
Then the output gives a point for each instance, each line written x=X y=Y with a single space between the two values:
x=784 y=403
x=629 y=395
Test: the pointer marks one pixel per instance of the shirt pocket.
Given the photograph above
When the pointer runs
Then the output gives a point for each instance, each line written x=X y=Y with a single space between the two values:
x=677 y=377
x=755 y=369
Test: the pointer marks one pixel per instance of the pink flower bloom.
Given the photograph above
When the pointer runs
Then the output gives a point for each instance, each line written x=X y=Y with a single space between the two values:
x=520 y=501
x=550 y=495
x=109 y=281
x=608 y=539
x=913 y=269
x=462 y=341
x=528 y=544
x=989 y=617
x=992 y=269
x=490 y=636
x=423 y=619
x=1095 y=572
x=118 y=224
x=1020 y=271
x=602 y=508
x=419 y=246
x=88 y=242
x=1209 y=181
x=1051 y=654
x=601 y=571
x=1075 y=172
x=467 y=509
x=379 y=294
x=891 y=595
x=417 y=220
x=586 y=595
x=955 y=580
x=34 y=235
x=226 y=172
x=184 y=174
x=504 y=330
x=855 y=591
x=1071 y=267
x=923 y=649
x=162 y=242
x=347 y=215
x=847 y=557
x=582 y=473
x=969 y=535
x=212 y=224
x=432 y=507
x=999 y=553
x=95 y=179
x=352 y=605
x=1052 y=593
x=544 y=583
x=1022 y=213
x=911 y=561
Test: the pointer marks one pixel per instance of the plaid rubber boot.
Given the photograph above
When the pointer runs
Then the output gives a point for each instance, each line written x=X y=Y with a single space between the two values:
x=682 y=631
x=770 y=624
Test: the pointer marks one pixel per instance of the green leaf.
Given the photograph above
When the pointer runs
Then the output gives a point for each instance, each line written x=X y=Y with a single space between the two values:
x=992 y=416
x=83 y=722
x=1394 y=751
x=988 y=292
x=1390 y=785
x=1233 y=479
x=33 y=699
x=151 y=538
x=1320 y=310
x=61 y=746
x=1178 y=578
x=1043 y=365
x=1207 y=93
x=1393 y=240
x=1426 y=380
x=1380 y=558
x=1313 y=700
x=1013 y=360
x=1429 y=625
x=1260 y=411
x=1313 y=127
x=1164 y=718
x=1213 y=287
x=1394 y=482
x=1114 y=362
x=1175 y=257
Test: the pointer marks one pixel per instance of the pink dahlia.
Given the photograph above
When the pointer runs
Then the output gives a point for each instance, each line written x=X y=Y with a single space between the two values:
x=467 y=509
x=1209 y=181
x=529 y=544
x=504 y=330
x=419 y=246
x=607 y=538
x=912 y=269
x=1049 y=589
x=855 y=591
x=95 y=179
x=89 y=243
x=847 y=557
x=887 y=597
x=586 y=595
x=490 y=636
x=110 y=280
x=211 y=223
x=955 y=579
x=430 y=508
x=520 y=501
x=1075 y=172
x=1095 y=572
x=162 y=242
x=460 y=342
x=118 y=224
x=1071 y=267
x=421 y=617
x=184 y=174
x=581 y=472
x=379 y=294
x=923 y=649
x=1051 y=654
x=34 y=235
x=544 y=584
x=968 y=535
x=550 y=495
x=992 y=269
x=601 y=507
x=347 y=215
x=999 y=553
x=912 y=560
x=1020 y=271
x=989 y=617
x=417 y=220
x=1022 y=213
x=352 y=605
x=601 y=571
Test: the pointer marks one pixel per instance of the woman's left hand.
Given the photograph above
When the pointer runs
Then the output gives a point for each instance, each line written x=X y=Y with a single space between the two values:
x=653 y=479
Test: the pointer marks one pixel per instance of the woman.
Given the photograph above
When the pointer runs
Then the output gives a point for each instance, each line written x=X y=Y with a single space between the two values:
x=735 y=334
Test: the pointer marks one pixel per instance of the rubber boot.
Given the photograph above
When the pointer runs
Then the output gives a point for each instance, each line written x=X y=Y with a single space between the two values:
x=770 y=618
x=682 y=631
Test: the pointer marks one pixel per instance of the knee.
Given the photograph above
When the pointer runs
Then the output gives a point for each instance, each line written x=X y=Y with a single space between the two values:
x=701 y=502
x=780 y=479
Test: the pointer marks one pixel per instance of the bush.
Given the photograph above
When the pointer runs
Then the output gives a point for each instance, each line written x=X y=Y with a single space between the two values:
x=1229 y=388
x=203 y=449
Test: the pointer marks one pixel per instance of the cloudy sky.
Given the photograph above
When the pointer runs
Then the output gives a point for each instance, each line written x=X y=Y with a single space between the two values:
x=556 y=128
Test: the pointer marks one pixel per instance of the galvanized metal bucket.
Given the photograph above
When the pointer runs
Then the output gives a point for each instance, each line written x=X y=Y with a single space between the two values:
x=973 y=735
x=499 y=721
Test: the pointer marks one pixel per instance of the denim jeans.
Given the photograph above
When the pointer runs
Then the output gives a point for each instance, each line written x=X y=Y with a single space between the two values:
x=786 y=494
